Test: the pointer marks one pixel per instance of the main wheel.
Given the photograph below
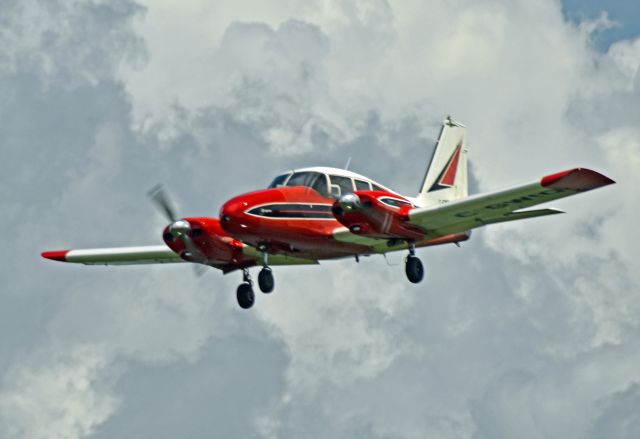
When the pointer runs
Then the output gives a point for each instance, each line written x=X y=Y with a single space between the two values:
x=414 y=269
x=265 y=280
x=245 y=296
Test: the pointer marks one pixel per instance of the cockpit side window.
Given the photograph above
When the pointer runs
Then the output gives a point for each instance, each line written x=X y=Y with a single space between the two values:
x=279 y=181
x=362 y=185
x=345 y=184
x=320 y=185
x=314 y=180
x=378 y=188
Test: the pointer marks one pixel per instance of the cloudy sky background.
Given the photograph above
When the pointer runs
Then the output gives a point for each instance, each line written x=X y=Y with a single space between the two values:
x=529 y=330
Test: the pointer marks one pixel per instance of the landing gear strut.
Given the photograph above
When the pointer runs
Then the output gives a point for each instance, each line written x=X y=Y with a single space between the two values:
x=413 y=267
x=245 y=294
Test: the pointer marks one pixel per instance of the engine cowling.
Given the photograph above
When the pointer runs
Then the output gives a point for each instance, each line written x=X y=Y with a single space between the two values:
x=376 y=214
x=203 y=240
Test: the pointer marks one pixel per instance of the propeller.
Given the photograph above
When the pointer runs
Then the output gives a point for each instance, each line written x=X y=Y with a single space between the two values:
x=178 y=228
x=161 y=200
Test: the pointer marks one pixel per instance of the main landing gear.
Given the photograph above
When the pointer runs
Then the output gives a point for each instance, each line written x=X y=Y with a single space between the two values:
x=245 y=295
x=413 y=266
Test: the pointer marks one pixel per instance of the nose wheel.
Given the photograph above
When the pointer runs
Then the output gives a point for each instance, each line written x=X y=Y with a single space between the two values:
x=265 y=277
x=413 y=267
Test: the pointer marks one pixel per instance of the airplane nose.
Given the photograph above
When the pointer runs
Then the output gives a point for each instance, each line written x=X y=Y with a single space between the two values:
x=232 y=210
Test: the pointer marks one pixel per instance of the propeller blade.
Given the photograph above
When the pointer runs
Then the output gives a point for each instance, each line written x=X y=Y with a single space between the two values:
x=161 y=200
x=180 y=229
x=192 y=249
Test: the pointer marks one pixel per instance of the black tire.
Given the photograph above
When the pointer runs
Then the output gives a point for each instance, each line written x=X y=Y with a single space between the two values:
x=245 y=296
x=414 y=269
x=266 y=282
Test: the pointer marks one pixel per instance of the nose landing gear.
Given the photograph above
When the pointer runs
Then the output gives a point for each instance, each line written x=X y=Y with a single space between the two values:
x=413 y=267
x=265 y=280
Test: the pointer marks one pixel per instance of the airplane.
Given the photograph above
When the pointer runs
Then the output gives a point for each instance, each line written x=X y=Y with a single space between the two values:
x=312 y=214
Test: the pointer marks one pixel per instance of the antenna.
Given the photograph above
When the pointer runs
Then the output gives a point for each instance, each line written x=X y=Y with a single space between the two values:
x=346 y=167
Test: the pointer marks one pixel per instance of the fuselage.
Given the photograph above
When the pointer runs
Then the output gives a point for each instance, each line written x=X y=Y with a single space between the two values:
x=300 y=217
x=294 y=215
x=295 y=220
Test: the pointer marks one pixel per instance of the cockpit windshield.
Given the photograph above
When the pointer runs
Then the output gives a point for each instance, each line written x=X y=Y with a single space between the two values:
x=314 y=180
x=279 y=181
x=327 y=185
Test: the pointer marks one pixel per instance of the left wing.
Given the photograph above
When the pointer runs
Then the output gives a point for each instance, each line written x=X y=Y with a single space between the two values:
x=479 y=210
x=155 y=254
x=161 y=254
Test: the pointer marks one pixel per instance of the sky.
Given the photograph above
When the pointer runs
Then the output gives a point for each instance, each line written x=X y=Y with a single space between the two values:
x=622 y=14
x=528 y=330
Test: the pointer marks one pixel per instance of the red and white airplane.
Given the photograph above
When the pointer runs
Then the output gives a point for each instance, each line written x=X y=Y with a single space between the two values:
x=312 y=214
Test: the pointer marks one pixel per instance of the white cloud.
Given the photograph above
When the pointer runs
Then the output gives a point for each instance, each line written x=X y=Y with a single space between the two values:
x=528 y=330
x=60 y=395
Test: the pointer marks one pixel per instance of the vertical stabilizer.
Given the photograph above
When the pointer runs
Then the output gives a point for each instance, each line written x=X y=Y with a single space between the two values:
x=446 y=177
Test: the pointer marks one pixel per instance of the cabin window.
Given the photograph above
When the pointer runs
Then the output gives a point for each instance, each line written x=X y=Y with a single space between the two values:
x=362 y=185
x=378 y=188
x=320 y=185
x=314 y=180
x=279 y=180
x=344 y=183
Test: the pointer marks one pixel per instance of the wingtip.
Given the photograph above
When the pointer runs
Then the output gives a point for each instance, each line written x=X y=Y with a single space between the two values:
x=56 y=255
x=578 y=179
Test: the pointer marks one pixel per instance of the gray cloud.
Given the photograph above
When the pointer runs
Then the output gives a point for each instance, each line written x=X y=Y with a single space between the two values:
x=529 y=330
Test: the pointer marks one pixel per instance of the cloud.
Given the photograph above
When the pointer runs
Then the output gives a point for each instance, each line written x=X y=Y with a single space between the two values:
x=77 y=384
x=528 y=330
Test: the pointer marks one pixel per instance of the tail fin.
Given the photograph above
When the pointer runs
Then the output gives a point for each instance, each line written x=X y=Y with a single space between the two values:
x=446 y=177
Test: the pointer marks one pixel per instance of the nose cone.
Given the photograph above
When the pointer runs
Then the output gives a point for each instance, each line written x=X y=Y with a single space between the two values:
x=233 y=210
x=233 y=217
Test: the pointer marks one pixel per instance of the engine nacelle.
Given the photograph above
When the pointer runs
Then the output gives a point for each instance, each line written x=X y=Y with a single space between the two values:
x=376 y=214
x=202 y=240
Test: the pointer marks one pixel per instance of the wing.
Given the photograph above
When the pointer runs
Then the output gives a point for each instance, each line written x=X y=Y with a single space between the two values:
x=479 y=210
x=161 y=254
x=156 y=254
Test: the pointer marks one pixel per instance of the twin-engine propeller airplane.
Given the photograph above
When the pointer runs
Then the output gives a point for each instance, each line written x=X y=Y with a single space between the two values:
x=313 y=214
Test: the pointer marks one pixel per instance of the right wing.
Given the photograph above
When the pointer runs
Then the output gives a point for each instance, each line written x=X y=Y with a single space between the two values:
x=479 y=210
